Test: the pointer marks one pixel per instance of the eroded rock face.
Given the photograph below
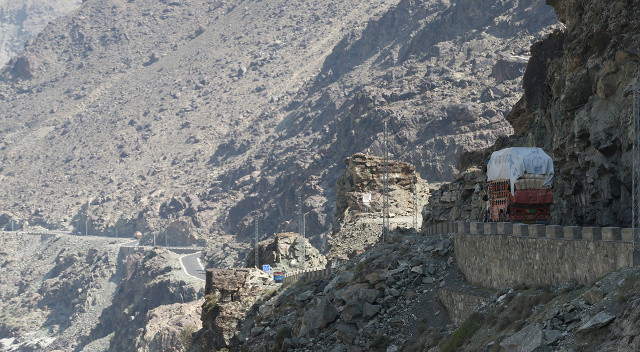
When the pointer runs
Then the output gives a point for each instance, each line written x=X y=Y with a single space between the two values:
x=358 y=225
x=285 y=251
x=230 y=293
x=578 y=107
x=149 y=280
x=169 y=327
x=458 y=200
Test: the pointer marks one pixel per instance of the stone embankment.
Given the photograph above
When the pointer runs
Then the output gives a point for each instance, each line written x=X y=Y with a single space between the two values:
x=499 y=255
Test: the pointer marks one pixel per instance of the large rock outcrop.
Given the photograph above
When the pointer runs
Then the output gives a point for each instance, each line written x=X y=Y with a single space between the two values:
x=285 y=252
x=149 y=280
x=230 y=295
x=358 y=224
x=577 y=106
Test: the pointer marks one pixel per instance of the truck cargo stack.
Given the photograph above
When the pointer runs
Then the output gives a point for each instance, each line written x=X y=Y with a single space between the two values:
x=520 y=181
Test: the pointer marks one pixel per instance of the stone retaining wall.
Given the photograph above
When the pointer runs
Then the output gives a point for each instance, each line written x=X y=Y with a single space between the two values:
x=460 y=304
x=309 y=273
x=498 y=255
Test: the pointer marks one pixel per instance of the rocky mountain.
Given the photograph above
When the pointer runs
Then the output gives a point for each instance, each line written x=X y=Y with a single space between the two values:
x=577 y=105
x=53 y=289
x=22 y=20
x=286 y=252
x=133 y=116
x=72 y=293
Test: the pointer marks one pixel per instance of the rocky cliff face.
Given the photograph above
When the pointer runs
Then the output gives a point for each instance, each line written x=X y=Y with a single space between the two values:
x=232 y=297
x=577 y=106
x=53 y=289
x=151 y=282
x=123 y=100
x=357 y=224
x=286 y=252
x=22 y=20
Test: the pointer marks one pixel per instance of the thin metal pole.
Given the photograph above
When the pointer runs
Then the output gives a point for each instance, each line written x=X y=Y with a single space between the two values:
x=86 y=226
x=635 y=222
x=385 y=191
x=12 y=230
x=257 y=248
x=415 y=202
x=304 y=243
x=154 y=239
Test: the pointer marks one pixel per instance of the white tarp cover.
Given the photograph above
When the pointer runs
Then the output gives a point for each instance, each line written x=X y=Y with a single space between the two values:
x=512 y=163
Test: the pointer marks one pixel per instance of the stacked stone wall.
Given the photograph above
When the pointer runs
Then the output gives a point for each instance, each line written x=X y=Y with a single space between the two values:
x=498 y=255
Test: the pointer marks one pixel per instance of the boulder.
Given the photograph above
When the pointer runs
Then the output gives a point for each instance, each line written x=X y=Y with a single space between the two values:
x=599 y=320
x=324 y=314
x=525 y=340
x=509 y=68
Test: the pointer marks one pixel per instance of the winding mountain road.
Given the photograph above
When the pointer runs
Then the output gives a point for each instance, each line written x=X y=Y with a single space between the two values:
x=192 y=266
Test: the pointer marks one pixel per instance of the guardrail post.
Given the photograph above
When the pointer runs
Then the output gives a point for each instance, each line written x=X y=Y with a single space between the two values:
x=477 y=228
x=572 y=233
x=611 y=234
x=537 y=230
x=627 y=235
x=555 y=232
x=505 y=228
x=464 y=228
x=591 y=234
x=521 y=230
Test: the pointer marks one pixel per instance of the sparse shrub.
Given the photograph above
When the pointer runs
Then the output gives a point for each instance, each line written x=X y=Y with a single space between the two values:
x=464 y=332
x=186 y=336
x=380 y=342
x=284 y=332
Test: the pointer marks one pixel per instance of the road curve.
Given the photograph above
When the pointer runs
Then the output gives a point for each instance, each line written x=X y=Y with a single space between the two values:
x=191 y=265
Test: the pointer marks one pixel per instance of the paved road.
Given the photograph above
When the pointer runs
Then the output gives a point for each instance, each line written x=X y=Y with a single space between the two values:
x=190 y=262
x=192 y=266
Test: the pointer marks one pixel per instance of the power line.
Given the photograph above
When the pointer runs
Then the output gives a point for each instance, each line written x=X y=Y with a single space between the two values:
x=636 y=166
x=385 y=187
x=415 y=201
x=257 y=248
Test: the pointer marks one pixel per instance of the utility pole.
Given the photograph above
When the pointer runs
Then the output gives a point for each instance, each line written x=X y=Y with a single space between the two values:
x=257 y=248
x=635 y=222
x=304 y=243
x=301 y=227
x=86 y=226
x=415 y=201
x=154 y=239
x=385 y=182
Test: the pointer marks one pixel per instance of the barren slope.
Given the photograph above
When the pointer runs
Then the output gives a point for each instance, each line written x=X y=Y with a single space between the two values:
x=22 y=20
x=203 y=114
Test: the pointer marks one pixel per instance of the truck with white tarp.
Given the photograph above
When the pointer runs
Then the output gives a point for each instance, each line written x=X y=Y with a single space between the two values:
x=520 y=181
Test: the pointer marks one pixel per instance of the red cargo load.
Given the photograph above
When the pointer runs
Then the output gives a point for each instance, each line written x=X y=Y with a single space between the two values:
x=532 y=196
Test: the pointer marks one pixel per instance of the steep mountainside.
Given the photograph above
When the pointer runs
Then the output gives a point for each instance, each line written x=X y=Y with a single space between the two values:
x=577 y=106
x=135 y=115
x=53 y=289
x=79 y=293
x=22 y=20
